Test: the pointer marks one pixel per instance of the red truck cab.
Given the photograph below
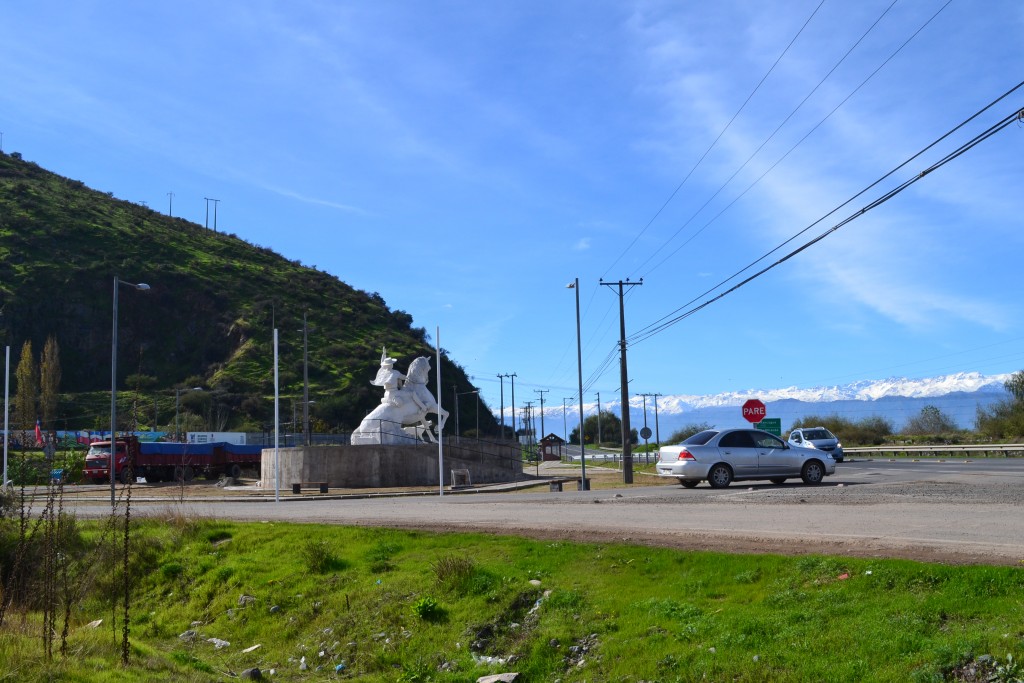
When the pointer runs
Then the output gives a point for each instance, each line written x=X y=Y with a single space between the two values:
x=97 y=460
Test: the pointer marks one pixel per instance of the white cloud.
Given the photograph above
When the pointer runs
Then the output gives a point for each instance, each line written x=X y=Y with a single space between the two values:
x=319 y=202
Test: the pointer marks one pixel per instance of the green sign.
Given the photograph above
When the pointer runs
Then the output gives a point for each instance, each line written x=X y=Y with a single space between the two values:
x=772 y=425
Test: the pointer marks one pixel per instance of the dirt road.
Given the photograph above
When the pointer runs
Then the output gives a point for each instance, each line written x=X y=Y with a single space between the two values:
x=963 y=519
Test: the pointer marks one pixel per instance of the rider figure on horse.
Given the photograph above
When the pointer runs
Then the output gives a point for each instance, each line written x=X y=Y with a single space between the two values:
x=390 y=379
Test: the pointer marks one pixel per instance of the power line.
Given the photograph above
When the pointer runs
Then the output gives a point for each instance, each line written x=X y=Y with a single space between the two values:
x=665 y=322
x=715 y=141
x=848 y=201
x=660 y=250
x=606 y=363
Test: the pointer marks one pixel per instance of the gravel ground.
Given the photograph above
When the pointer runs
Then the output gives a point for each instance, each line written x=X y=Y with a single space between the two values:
x=947 y=493
x=970 y=519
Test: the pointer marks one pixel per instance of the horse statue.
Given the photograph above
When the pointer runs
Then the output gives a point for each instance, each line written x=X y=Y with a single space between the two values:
x=401 y=418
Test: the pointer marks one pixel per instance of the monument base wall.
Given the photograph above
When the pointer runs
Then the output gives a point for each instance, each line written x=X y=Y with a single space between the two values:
x=392 y=466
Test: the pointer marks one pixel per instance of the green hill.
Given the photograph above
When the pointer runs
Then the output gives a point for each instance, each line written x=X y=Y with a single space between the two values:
x=207 y=319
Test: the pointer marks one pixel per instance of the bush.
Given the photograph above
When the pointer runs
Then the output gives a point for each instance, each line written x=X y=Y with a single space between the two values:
x=869 y=431
x=686 y=432
x=72 y=463
x=8 y=503
x=171 y=570
x=453 y=571
x=319 y=557
x=1002 y=420
x=28 y=470
x=461 y=575
x=930 y=421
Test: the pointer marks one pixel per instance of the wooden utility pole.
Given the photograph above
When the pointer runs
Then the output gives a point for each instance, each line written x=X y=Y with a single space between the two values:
x=627 y=444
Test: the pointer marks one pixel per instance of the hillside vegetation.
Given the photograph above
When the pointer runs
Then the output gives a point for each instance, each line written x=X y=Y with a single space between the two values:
x=207 y=320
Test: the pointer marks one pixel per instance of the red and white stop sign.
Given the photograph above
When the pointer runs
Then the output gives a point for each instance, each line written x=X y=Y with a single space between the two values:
x=754 y=411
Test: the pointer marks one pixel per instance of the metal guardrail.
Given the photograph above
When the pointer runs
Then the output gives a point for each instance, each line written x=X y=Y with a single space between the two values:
x=998 y=449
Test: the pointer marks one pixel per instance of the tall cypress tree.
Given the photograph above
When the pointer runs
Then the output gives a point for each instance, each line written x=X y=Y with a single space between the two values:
x=49 y=382
x=26 y=378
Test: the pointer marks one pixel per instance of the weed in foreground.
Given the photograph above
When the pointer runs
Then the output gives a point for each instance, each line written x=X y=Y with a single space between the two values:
x=318 y=556
x=379 y=556
x=428 y=609
x=463 y=576
x=453 y=571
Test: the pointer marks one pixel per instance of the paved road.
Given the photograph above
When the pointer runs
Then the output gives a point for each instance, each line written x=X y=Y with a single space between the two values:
x=953 y=511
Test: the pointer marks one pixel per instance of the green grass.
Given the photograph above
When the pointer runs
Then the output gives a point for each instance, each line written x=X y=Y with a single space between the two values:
x=411 y=606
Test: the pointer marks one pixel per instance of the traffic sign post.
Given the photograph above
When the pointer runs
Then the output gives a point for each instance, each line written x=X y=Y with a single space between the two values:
x=772 y=425
x=645 y=434
x=754 y=411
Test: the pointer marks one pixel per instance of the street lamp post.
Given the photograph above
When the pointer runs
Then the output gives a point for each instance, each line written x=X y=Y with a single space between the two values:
x=177 y=407
x=113 y=384
x=541 y=392
x=657 y=431
x=579 y=368
x=295 y=419
x=646 y=452
x=565 y=423
x=458 y=432
x=7 y=400
x=305 y=382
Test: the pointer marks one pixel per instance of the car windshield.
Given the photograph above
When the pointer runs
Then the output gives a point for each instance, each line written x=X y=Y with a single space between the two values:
x=816 y=434
x=98 y=450
x=701 y=438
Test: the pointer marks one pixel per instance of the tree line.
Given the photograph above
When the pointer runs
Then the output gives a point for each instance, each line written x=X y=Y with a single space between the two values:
x=37 y=387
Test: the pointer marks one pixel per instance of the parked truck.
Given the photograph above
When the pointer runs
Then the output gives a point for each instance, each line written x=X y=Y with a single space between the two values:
x=162 y=461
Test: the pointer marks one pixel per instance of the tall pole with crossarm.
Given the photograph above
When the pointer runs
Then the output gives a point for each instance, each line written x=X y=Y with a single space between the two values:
x=501 y=379
x=514 y=436
x=627 y=443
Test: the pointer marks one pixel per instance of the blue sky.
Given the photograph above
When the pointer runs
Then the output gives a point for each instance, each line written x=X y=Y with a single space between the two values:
x=467 y=160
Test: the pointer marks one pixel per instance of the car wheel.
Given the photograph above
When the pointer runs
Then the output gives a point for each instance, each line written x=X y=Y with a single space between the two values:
x=235 y=471
x=838 y=459
x=778 y=480
x=719 y=476
x=688 y=483
x=813 y=472
x=126 y=476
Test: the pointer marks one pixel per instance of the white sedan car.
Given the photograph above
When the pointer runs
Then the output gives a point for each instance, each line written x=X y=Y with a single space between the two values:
x=724 y=456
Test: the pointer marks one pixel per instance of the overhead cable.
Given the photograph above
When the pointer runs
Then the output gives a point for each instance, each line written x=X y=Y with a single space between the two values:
x=715 y=141
x=653 y=329
x=666 y=257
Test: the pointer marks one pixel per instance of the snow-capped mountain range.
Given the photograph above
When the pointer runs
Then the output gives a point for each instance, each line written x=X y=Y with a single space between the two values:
x=865 y=390
x=896 y=398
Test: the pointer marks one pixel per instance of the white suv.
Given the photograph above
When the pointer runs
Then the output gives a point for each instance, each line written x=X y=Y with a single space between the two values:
x=820 y=438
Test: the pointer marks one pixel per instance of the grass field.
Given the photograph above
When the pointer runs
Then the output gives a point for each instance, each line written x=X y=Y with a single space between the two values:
x=330 y=603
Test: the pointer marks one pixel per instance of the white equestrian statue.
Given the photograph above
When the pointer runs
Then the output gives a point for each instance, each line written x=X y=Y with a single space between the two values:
x=401 y=417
